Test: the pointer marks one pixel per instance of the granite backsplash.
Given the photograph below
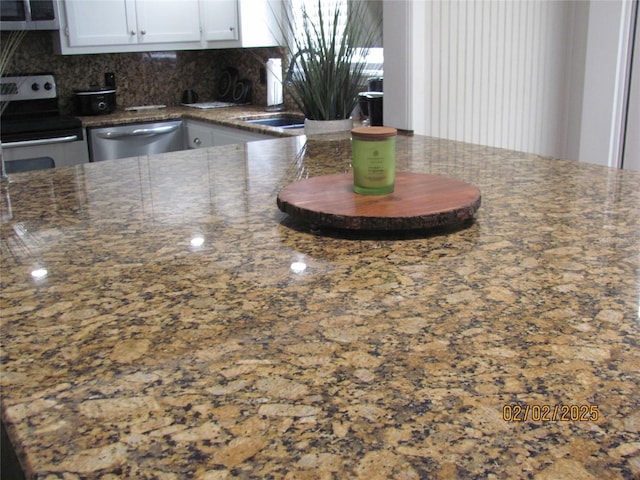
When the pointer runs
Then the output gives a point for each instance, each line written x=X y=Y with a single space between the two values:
x=148 y=78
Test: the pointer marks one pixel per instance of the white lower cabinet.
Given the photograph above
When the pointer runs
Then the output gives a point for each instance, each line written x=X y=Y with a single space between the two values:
x=203 y=135
x=228 y=136
x=199 y=134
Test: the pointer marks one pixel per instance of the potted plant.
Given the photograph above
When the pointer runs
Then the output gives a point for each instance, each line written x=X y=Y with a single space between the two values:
x=328 y=64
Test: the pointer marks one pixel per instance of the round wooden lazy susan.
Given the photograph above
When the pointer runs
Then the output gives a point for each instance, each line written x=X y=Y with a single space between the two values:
x=419 y=201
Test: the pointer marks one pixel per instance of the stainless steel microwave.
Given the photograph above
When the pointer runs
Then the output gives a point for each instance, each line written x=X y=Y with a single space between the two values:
x=29 y=15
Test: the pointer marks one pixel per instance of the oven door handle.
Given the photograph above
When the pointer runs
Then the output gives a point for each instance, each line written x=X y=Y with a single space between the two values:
x=41 y=141
x=139 y=132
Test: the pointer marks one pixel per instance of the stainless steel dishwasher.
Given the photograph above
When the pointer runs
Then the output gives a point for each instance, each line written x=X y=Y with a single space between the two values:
x=109 y=143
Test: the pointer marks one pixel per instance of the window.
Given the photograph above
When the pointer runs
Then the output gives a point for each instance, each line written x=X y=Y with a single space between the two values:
x=368 y=11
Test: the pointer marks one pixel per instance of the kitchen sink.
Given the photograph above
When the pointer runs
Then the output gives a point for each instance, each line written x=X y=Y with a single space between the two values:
x=281 y=121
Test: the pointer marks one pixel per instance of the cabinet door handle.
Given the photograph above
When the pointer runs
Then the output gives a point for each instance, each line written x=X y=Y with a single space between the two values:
x=197 y=141
x=143 y=32
x=132 y=32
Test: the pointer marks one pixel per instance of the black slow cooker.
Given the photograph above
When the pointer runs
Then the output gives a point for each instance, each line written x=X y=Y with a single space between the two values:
x=95 y=101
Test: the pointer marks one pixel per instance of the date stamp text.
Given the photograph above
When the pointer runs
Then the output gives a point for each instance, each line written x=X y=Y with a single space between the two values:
x=550 y=413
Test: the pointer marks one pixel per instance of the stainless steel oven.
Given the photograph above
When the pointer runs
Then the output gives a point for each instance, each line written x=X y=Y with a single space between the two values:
x=29 y=15
x=33 y=132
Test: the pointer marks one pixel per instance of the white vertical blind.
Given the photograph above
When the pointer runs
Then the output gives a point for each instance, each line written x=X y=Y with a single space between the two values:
x=496 y=73
x=311 y=7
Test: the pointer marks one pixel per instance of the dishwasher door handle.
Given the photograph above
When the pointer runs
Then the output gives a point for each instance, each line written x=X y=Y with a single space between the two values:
x=139 y=132
x=41 y=141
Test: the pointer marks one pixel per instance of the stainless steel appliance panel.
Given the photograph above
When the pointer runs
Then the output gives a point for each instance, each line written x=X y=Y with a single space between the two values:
x=110 y=143
x=64 y=151
x=33 y=128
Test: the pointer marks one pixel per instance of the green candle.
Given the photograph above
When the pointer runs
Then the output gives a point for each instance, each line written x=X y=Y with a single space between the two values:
x=373 y=159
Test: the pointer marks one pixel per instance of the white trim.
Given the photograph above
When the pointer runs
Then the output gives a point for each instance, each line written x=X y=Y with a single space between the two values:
x=631 y=159
x=606 y=81
x=398 y=68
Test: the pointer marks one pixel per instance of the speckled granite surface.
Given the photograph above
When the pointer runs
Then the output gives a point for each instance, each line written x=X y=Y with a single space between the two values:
x=144 y=78
x=185 y=328
x=229 y=116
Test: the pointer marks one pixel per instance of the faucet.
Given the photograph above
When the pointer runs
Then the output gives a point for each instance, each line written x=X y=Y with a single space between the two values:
x=289 y=76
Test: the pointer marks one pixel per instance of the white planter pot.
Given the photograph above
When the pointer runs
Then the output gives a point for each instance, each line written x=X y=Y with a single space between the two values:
x=316 y=127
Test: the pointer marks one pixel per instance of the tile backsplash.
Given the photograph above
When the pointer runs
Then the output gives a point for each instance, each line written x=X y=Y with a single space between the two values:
x=148 y=78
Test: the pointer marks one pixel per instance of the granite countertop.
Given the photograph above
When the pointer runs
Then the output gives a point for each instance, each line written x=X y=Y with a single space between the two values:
x=227 y=116
x=162 y=319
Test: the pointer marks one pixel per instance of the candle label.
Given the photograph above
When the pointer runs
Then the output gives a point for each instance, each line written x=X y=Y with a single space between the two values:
x=374 y=165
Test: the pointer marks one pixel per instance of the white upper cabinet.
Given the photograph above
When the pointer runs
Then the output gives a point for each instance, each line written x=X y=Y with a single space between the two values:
x=102 y=22
x=256 y=21
x=219 y=19
x=107 y=26
x=110 y=26
x=259 y=21
x=171 y=21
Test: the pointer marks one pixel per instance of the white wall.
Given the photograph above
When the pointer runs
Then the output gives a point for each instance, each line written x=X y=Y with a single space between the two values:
x=503 y=73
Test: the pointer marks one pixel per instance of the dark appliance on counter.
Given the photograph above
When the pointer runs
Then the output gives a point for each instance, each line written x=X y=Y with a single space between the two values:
x=189 y=96
x=33 y=130
x=375 y=100
x=376 y=84
x=374 y=97
x=95 y=101
x=28 y=15
x=371 y=102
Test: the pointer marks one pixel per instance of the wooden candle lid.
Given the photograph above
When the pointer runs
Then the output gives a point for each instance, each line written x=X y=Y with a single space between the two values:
x=374 y=133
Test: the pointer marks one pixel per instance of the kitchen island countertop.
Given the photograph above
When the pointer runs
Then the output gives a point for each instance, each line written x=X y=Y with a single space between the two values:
x=160 y=318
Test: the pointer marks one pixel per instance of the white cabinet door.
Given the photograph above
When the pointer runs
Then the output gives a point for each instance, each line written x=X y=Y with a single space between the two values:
x=168 y=21
x=203 y=134
x=259 y=20
x=219 y=19
x=199 y=134
x=231 y=136
x=100 y=22
x=109 y=26
x=254 y=23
